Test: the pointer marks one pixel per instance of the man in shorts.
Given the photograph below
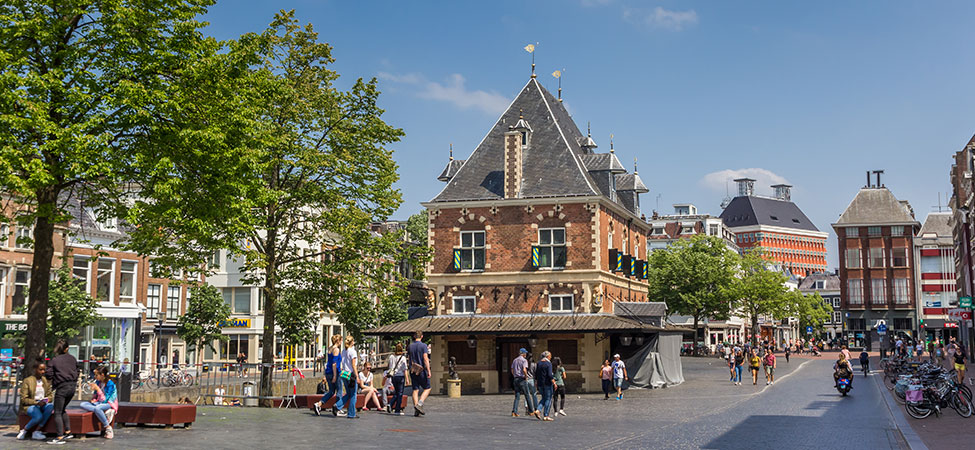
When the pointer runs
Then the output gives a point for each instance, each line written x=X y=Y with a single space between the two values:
x=419 y=366
x=619 y=374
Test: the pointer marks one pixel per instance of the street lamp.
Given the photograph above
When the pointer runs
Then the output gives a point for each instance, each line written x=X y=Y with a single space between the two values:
x=160 y=316
x=472 y=341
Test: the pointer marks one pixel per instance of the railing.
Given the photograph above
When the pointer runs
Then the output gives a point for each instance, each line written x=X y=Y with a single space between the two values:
x=10 y=375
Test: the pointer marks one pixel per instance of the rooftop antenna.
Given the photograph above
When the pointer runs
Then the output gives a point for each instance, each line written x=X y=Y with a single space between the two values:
x=451 y=151
x=727 y=196
x=558 y=74
x=658 y=202
x=611 y=143
x=530 y=48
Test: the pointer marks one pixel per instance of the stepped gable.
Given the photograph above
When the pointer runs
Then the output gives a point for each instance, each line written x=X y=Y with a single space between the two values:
x=551 y=163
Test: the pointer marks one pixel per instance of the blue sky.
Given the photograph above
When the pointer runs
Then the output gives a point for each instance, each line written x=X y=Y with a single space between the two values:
x=810 y=93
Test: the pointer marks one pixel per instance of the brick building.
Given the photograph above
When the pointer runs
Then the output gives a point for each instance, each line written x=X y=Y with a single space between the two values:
x=778 y=226
x=875 y=237
x=538 y=242
x=934 y=251
x=962 y=225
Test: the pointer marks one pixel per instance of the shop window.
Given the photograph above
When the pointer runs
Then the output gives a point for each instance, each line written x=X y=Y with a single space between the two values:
x=471 y=250
x=560 y=303
x=153 y=298
x=21 y=286
x=465 y=305
x=463 y=352
x=127 y=279
x=172 y=303
x=104 y=291
x=567 y=350
x=551 y=248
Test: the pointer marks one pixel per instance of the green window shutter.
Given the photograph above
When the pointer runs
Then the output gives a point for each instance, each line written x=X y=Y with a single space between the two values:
x=535 y=256
x=456 y=259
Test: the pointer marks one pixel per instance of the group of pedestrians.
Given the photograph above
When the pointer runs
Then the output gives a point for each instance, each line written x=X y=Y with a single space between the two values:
x=47 y=390
x=545 y=379
x=759 y=359
x=344 y=380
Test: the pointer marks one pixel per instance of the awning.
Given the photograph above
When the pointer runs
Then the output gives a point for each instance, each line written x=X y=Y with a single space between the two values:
x=496 y=324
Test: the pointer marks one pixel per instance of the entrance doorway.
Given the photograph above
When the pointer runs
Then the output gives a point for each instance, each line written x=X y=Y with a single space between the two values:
x=507 y=352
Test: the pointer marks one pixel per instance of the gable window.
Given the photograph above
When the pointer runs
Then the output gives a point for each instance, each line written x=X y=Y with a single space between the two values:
x=873 y=231
x=551 y=248
x=818 y=285
x=127 y=287
x=878 y=291
x=472 y=250
x=852 y=232
x=81 y=271
x=172 y=303
x=560 y=303
x=853 y=258
x=897 y=230
x=657 y=231
x=465 y=305
x=104 y=286
x=153 y=297
x=21 y=286
x=899 y=256
x=854 y=291
x=876 y=257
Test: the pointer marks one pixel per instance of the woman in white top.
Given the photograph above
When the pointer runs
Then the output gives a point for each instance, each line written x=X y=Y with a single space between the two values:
x=396 y=370
x=369 y=392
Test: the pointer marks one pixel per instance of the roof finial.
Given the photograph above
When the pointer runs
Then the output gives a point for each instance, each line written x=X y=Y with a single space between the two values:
x=451 y=151
x=521 y=114
x=588 y=129
x=530 y=48
x=558 y=74
x=634 y=166
x=611 y=144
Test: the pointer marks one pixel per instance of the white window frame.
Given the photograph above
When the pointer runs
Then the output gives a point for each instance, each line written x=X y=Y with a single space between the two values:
x=4 y=235
x=135 y=281
x=468 y=304
x=838 y=317
x=215 y=260
x=657 y=231
x=111 y=284
x=858 y=259
x=560 y=298
x=897 y=230
x=853 y=232
x=893 y=257
x=551 y=246
x=170 y=313
x=854 y=291
x=473 y=250
x=878 y=296
x=23 y=230
x=902 y=295
x=836 y=302
x=153 y=300
x=87 y=268
x=26 y=289
x=873 y=260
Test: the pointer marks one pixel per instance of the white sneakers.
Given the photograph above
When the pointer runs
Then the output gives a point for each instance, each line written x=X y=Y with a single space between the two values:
x=22 y=435
x=38 y=436
x=561 y=412
x=109 y=433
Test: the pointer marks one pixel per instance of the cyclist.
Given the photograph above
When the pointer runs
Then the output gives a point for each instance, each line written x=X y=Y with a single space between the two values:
x=865 y=362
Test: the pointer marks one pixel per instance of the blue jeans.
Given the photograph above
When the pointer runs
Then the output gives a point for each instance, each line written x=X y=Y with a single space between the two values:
x=531 y=398
x=399 y=384
x=334 y=389
x=737 y=378
x=350 y=397
x=99 y=411
x=521 y=387
x=38 y=416
x=546 y=404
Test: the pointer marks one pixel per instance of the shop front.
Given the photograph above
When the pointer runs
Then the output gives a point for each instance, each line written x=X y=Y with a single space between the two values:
x=111 y=340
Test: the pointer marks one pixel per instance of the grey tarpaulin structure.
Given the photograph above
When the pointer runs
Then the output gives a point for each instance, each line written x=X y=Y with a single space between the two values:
x=657 y=363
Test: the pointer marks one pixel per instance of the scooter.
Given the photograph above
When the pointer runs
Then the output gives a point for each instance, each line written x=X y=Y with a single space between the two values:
x=843 y=386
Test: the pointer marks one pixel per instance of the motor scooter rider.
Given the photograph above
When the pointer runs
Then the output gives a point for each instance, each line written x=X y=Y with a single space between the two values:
x=842 y=369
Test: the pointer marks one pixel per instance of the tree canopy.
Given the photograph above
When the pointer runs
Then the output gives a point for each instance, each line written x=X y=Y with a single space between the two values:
x=761 y=292
x=199 y=325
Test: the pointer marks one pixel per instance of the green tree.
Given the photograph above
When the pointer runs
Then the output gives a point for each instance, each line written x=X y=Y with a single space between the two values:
x=72 y=309
x=296 y=318
x=104 y=102
x=761 y=291
x=325 y=175
x=695 y=277
x=417 y=227
x=200 y=323
x=810 y=309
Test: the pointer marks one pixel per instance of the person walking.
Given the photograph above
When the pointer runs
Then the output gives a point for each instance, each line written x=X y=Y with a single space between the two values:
x=419 y=356
x=754 y=364
x=739 y=360
x=606 y=375
x=559 y=397
x=36 y=401
x=349 y=381
x=619 y=374
x=545 y=377
x=731 y=366
x=788 y=352
x=63 y=373
x=959 y=360
x=769 y=363
x=519 y=373
x=397 y=370
x=104 y=398
x=940 y=354
x=333 y=366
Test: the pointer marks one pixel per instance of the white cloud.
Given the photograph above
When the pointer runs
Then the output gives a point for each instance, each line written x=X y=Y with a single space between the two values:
x=453 y=91
x=660 y=18
x=718 y=181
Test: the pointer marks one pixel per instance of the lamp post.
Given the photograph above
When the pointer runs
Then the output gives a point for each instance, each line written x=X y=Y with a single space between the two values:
x=160 y=316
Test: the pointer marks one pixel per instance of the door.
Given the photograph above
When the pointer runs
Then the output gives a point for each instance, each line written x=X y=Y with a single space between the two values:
x=507 y=352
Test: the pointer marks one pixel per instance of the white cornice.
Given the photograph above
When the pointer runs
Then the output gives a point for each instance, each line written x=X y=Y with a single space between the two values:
x=784 y=230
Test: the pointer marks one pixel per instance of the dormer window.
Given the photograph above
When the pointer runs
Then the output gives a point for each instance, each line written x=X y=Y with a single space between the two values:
x=658 y=231
x=524 y=138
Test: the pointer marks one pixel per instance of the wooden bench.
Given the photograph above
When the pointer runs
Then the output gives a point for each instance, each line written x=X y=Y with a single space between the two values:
x=82 y=422
x=156 y=414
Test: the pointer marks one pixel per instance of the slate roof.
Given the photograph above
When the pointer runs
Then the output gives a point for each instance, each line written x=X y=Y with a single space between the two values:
x=551 y=164
x=832 y=282
x=602 y=161
x=452 y=168
x=876 y=206
x=750 y=210
x=630 y=182
x=936 y=223
x=464 y=324
x=641 y=309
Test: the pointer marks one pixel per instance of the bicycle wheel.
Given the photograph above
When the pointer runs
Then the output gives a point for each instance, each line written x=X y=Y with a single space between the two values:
x=961 y=405
x=187 y=380
x=917 y=412
x=890 y=381
x=86 y=387
x=965 y=391
x=900 y=397
x=137 y=383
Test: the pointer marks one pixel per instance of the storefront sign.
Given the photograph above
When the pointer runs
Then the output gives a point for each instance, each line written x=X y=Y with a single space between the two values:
x=959 y=314
x=951 y=325
x=235 y=323
x=12 y=327
x=101 y=343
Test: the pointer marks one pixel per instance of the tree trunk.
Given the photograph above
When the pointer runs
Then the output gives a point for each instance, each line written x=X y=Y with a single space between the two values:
x=694 y=348
x=755 y=330
x=40 y=276
x=270 y=297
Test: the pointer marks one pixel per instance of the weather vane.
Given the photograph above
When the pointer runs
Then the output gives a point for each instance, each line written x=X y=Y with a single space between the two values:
x=558 y=74
x=530 y=48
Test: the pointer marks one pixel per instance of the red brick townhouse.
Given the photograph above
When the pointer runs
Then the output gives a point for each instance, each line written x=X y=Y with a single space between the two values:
x=538 y=242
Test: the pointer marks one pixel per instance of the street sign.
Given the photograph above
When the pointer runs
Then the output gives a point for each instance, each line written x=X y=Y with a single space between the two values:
x=959 y=314
x=965 y=302
x=809 y=330
x=882 y=329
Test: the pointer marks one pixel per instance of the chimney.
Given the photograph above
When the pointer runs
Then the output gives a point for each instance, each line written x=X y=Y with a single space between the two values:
x=783 y=191
x=516 y=140
x=746 y=187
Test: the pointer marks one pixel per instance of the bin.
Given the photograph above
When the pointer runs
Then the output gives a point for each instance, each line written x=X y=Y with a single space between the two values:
x=453 y=388
x=249 y=396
